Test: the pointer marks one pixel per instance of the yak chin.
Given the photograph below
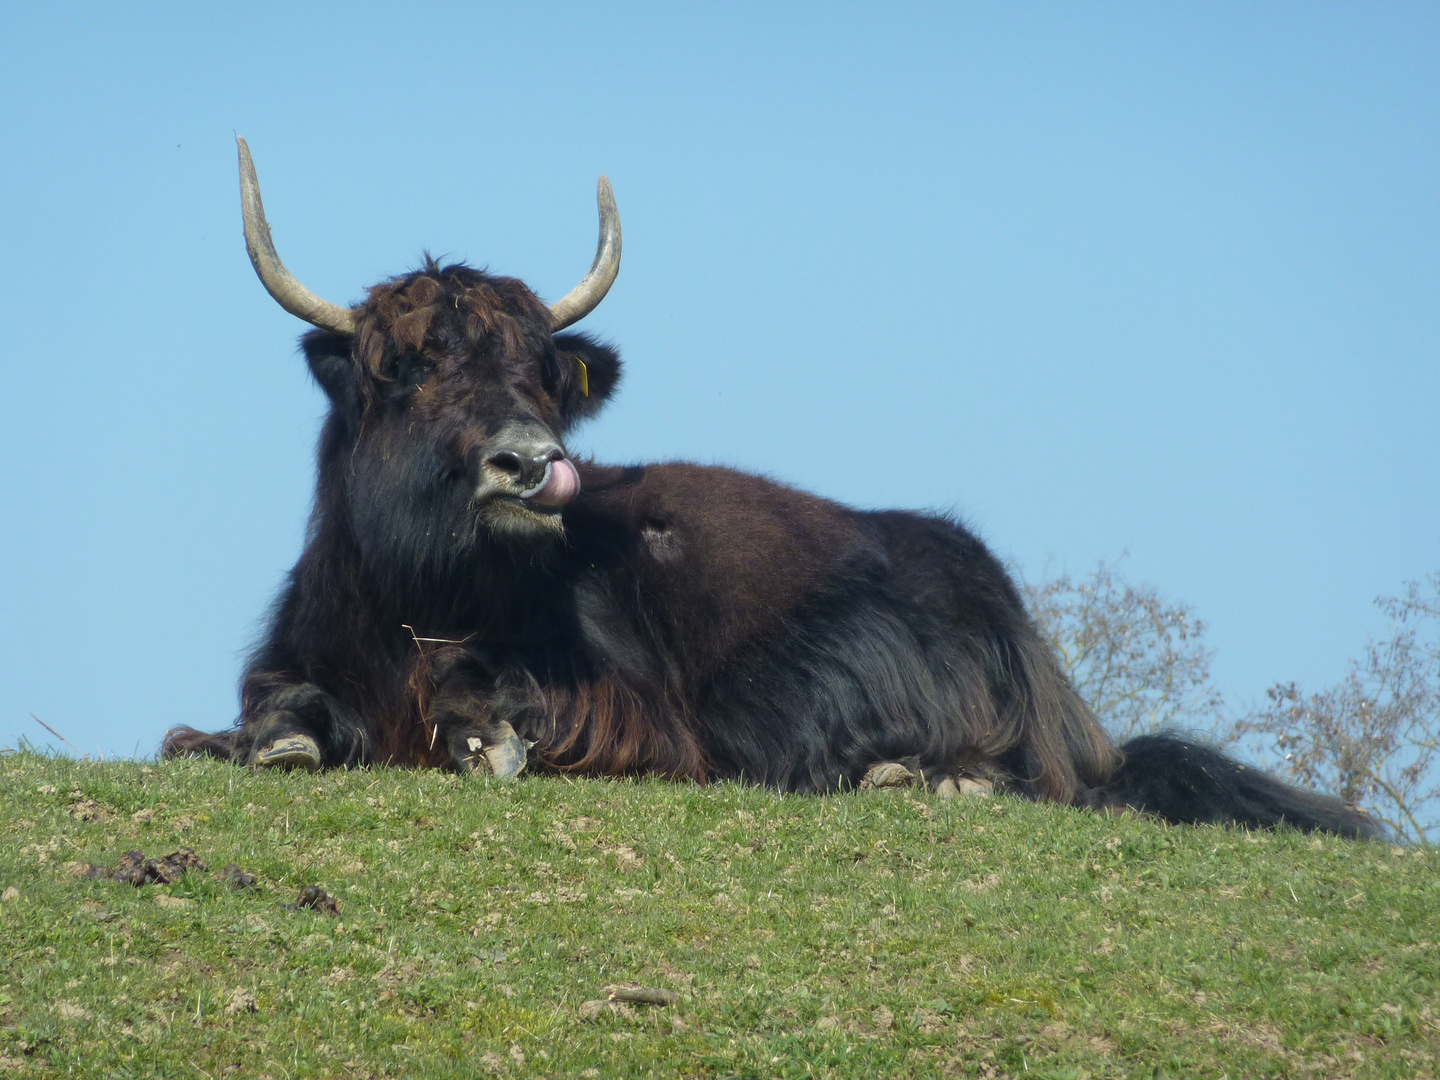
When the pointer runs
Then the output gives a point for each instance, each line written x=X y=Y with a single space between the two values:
x=517 y=521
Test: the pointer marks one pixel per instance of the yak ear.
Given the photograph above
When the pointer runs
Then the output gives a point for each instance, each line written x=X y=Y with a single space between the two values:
x=584 y=364
x=328 y=355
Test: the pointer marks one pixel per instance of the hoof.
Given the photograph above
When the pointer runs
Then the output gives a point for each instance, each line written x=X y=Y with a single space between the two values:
x=963 y=787
x=886 y=774
x=503 y=755
x=289 y=752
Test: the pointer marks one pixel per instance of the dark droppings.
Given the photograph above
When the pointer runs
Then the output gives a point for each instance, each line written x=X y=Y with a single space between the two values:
x=135 y=869
x=313 y=896
x=236 y=878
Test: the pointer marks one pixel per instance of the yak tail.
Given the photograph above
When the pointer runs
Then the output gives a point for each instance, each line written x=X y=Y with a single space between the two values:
x=1187 y=782
x=187 y=742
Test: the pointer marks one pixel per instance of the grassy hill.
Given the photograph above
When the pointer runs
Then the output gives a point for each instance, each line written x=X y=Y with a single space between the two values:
x=865 y=934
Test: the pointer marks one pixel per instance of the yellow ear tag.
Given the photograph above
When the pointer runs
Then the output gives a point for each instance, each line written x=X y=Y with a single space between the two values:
x=584 y=377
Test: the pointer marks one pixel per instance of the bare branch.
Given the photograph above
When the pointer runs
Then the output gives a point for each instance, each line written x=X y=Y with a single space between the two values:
x=1137 y=659
x=1374 y=737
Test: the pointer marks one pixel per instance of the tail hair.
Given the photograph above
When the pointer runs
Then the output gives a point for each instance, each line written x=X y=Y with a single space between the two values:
x=1188 y=782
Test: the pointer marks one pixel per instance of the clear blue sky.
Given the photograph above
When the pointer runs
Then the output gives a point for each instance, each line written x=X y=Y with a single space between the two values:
x=1152 y=278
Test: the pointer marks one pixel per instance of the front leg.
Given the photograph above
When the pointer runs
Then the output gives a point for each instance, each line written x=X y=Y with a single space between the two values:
x=297 y=725
x=474 y=718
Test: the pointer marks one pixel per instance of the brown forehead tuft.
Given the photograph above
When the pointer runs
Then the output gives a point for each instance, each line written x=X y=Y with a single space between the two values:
x=405 y=314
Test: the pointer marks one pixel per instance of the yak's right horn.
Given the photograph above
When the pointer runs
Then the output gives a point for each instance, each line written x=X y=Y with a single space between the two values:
x=279 y=282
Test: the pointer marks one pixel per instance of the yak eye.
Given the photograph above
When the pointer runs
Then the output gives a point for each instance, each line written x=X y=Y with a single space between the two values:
x=411 y=372
x=549 y=372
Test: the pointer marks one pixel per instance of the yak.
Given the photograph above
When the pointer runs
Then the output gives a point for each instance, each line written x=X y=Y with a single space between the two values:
x=472 y=597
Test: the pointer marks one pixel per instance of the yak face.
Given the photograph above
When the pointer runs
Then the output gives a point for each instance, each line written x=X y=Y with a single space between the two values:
x=451 y=392
x=449 y=406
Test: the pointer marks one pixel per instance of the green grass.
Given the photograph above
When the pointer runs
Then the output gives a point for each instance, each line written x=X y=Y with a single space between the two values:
x=863 y=934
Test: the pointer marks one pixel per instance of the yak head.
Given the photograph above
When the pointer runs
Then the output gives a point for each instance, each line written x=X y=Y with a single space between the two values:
x=451 y=389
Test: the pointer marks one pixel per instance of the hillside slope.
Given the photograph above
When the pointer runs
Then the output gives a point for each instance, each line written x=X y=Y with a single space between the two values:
x=871 y=933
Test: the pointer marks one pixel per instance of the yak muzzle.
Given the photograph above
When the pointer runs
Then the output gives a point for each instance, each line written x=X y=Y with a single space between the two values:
x=528 y=466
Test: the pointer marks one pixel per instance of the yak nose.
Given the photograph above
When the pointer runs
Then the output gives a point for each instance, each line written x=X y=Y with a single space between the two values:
x=516 y=462
x=525 y=470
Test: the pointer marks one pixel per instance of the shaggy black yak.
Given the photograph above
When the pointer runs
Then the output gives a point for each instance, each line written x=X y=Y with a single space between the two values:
x=470 y=596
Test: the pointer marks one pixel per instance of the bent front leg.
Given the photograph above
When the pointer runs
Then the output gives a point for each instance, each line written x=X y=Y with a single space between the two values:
x=296 y=725
x=476 y=720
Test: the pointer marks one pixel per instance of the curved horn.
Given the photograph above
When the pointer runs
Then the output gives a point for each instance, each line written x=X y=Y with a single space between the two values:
x=586 y=296
x=279 y=282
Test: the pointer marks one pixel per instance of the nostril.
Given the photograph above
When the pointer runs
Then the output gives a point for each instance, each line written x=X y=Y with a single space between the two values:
x=506 y=461
x=555 y=455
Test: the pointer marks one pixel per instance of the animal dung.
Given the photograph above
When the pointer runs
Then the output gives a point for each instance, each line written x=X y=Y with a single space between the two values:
x=236 y=878
x=313 y=896
x=135 y=869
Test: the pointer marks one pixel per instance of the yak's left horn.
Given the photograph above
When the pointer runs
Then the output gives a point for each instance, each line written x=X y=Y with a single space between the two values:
x=279 y=282
x=586 y=296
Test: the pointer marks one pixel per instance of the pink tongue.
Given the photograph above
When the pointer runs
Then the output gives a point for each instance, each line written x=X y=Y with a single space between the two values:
x=562 y=483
